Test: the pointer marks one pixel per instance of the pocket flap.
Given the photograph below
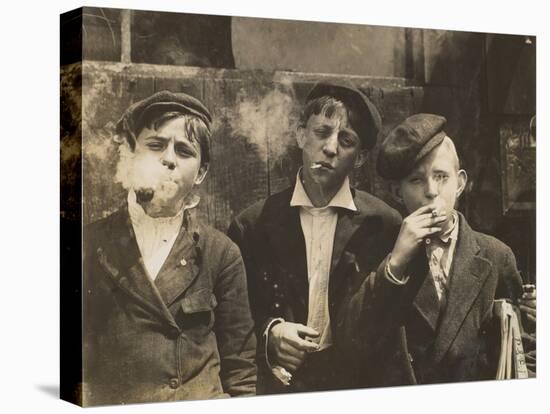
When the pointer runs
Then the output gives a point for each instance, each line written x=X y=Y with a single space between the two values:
x=200 y=301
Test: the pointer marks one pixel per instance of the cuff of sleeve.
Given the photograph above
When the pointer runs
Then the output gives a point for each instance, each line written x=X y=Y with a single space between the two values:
x=270 y=325
x=391 y=277
x=279 y=372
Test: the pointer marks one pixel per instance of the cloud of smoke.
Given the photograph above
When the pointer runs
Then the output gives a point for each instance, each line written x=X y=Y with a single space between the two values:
x=266 y=122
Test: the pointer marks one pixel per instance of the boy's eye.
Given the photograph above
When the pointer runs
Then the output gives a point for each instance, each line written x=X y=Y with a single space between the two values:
x=415 y=180
x=347 y=140
x=322 y=132
x=441 y=177
x=155 y=145
x=185 y=150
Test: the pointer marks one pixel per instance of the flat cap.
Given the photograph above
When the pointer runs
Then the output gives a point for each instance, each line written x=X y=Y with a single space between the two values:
x=408 y=143
x=368 y=121
x=140 y=113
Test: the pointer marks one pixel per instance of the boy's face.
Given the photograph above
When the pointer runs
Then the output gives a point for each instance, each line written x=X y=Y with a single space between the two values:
x=435 y=179
x=331 y=147
x=169 y=163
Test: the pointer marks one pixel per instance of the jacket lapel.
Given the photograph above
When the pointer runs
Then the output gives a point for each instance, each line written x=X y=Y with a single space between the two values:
x=426 y=302
x=182 y=265
x=347 y=225
x=356 y=232
x=120 y=257
x=469 y=272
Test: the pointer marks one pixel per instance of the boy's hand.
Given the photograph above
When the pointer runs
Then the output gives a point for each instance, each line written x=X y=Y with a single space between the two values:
x=287 y=344
x=424 y=222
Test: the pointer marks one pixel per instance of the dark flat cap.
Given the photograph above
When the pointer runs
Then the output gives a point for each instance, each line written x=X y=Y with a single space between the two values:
x=368 y=123
x=140 y=113
x=408 y=143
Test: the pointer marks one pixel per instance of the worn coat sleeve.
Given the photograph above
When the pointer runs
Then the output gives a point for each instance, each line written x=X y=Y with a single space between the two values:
x=234 y=327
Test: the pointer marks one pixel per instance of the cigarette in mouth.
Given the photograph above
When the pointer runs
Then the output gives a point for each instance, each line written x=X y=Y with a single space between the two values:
x=315 y=166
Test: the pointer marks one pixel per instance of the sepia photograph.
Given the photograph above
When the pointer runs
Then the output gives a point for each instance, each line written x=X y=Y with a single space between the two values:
x=254 y=206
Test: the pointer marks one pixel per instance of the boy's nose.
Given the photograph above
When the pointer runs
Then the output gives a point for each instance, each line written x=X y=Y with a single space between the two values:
x=432 y=188
x=169 y=157
x=331 y=145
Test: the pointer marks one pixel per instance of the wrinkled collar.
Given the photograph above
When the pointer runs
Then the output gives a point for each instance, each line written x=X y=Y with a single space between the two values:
x=342 y=199
x=452 y=233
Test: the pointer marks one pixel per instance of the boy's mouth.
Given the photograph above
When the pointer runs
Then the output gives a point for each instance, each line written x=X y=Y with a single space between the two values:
x=144 y=195
x=321 y=164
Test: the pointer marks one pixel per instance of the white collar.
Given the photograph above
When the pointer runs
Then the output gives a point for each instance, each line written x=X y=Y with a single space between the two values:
x=342 y=198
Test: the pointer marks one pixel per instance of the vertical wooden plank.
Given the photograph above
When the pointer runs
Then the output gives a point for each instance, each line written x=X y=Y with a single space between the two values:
x=414 y=55
x=281 y=107
x=126 y=36
x=238 y=174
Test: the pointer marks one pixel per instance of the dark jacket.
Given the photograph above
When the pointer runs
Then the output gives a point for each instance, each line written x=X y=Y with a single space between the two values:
x=187 y=335
x=408 y=338
x=270 y=236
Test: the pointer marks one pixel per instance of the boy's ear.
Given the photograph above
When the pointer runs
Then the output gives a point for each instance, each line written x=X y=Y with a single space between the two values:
x=361 y=158
x=301 y=137
x=395 y=189
x=201 y=174
x=462 y=181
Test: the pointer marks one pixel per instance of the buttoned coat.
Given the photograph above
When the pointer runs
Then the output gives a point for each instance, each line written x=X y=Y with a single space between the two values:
x=272 y=243
x=186 y=335
x=407 y=337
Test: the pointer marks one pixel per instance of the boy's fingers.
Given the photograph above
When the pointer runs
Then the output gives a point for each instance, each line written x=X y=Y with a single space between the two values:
x=306 y=331
x=289 y=367
x=528 y=310
x=291 y=355
x=303 y=344
x=429 y=220
x=423 y=210
x=429 y=231
x=531 y=319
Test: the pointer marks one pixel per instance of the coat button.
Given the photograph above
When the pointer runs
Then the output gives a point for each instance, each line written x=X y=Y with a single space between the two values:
x=173 y=333
x=174 y=383
x=277 y=305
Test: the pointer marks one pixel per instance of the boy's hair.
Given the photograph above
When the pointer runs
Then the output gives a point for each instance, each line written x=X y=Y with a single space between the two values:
x=329 y=106
x=449 y=143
